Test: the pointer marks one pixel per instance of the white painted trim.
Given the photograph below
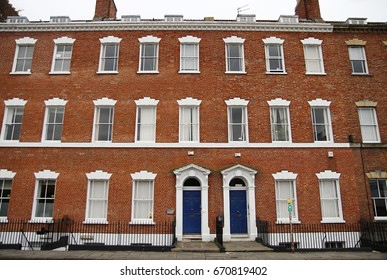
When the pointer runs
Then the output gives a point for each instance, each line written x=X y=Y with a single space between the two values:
x=26 y=41
x=6 y=174
x=64 y=41
x=110 y=40
x=143 y=175
x=273 y=40
x=141 y=144
x=327 y=175
x=146 y=101
x=234 y=40
x=46 y=174
x=15 y=102
x=189 y=40
x=98 y=175
x=162 y=25
x=149 y=39
x=236 y=102
x=55 y=102
x=285 y=175
x=278 y=102
x=189 y=101
x=104 y=102
x=311 y=41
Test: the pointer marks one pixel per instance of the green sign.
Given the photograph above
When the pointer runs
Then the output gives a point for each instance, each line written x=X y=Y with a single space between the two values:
x=290 y=208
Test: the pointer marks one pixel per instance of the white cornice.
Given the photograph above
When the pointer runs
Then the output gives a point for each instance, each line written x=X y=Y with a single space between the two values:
x=159 y=25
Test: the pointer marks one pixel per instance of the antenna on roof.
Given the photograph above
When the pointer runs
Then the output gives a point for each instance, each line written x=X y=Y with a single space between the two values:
x=243 y=8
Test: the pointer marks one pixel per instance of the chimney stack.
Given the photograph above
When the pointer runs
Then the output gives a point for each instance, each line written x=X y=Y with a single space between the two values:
x=308 y=9
x=105 y=9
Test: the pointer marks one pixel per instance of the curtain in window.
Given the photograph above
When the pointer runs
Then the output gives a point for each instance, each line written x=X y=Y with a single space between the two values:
x=369 y=129
x=146 y=123
x=143 y=200
x=189 y=57
x=284 y=191
x=98 y=194
x=329 y=199
x=280 y=124
x=189 y=126
x=313 y=59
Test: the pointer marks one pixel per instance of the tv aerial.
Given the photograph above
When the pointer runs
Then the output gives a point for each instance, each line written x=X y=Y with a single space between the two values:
x=243 y=8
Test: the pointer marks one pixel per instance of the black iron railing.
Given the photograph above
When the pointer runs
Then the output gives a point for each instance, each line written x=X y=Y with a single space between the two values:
x=76 y=235
x=322 y=236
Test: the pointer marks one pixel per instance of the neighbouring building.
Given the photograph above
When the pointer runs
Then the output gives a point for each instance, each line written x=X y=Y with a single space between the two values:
x=145 y=121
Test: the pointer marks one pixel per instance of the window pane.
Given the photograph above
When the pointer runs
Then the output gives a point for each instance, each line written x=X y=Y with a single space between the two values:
x=367 y=116
x=274 y=51
x=111 y=51
x=330 y=208
x=374 y=188
x=380 y=207
x=4 y=203
x=356 y=53
x=358 y=66
x=98 y=190
x=369 y=133
x=149 y=50
x=275 y=64
x=383 y=188
x=97 y=209
x=312 y=52
x=189 y=50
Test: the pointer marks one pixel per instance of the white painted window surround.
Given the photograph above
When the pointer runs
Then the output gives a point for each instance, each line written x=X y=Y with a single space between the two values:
x=321 y=120
x=149 y=55
x=12 y=120
x=280 y=120
x=143 y=197
x=109 y=53
x=235 y=58
x=103 y=120
x=313 y=56
x=146 y=120
x=23 y=56
x=330 y=197
x=237 y=120
x=97 y=197
x=6 y=178
x=61 y=60
x=53 y=120
x=189 y=128
x=44 y=197
x=285 y=190
x=274 y=53
x=189 y=55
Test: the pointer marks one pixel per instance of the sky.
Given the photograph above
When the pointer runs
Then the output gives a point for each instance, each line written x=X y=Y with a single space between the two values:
x=331 y=10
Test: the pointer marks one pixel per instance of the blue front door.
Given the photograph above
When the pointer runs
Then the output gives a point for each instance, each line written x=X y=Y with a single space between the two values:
x=238 y=212
x=192 y=212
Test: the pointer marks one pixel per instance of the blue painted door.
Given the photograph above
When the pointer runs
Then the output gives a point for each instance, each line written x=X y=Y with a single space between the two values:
x=192 y=218
x=238 y=212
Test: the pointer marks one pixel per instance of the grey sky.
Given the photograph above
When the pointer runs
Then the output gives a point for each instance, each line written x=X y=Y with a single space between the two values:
x=331 y=10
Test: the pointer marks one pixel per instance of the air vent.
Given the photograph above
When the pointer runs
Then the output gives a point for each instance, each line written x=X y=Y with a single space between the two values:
x=60 y=19
x=131 y=18
x=16 y=19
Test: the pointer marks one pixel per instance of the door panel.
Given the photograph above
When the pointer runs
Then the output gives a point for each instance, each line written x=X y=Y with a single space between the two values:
x=238 y=212
x=192 y=212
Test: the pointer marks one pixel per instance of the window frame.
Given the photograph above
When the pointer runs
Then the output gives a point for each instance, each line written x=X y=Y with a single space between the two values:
x=376 y=217
x=375 y=125
x=97 y=176
x=145 y=103
x=103 y=103
x=23 y=42
x=232 y=104
x=192 y=104
x=45 y=175
x=5 y=175
x=312 y=42
x=275 y=104
x=105 y=42
x=234 y=41
x=331 y=177
x=273 y=41
x=14 y=103
x=138 y=177
x=66 y=42
x=281 y=177
x=325 y=105
x=149 y=40
x=363 y=60
x=189 y=41
x=55 y=103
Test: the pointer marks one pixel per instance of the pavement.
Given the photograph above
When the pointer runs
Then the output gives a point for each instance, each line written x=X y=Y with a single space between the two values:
x=194 y=251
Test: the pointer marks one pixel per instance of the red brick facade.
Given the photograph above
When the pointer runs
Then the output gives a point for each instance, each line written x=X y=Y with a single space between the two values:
x=76 y=155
